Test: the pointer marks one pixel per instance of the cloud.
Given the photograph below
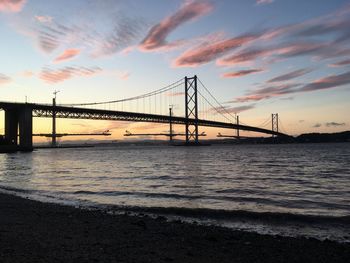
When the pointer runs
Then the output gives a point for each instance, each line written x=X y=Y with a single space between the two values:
x=244 y=57
x=317 y=125
x=67 y=54
x=148 y=126
x=238 y=109
x=282 y=50
x=121 y=37
x=331 y=81
x=124 y=75
x=175 y=94
x=287 y=98
x=156 y=37
x=273 y=90
x=341 y=63
x=43 y=19
x=102 y=29
x=267 y=92
x=264 y=2
x=241 y=73
x=51 y=36
x=301 y=39
x=290 y=75
x=207 y=52
x=27 y=74
x=11 y=5
x=335 y=124
x=4 y=79
x=53 y=76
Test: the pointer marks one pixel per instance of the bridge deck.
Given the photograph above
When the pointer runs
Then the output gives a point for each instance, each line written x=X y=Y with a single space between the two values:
x=44 y=110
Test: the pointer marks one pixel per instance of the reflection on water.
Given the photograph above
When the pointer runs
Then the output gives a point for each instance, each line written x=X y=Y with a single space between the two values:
x=309 y=179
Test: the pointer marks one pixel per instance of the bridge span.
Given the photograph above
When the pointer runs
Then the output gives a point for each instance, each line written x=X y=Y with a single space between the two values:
x=19 y=115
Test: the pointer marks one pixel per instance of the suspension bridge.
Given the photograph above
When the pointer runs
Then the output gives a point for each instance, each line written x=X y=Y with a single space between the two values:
x=194 y=103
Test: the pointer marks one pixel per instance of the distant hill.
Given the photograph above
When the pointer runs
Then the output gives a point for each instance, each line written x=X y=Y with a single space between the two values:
x=324 y=137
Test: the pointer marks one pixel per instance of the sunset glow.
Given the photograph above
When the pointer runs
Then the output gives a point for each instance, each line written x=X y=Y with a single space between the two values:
x=256 y=57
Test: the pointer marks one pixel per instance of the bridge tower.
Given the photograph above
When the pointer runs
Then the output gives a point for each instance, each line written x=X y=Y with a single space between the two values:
x=171 y=123
x=274 y=122
x=237 y=122
x=191 y=110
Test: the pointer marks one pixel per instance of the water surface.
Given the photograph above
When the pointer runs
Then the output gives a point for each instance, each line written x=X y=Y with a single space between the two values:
x=302 y=179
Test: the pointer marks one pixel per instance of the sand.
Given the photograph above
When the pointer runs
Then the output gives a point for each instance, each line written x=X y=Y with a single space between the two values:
x=31 y=231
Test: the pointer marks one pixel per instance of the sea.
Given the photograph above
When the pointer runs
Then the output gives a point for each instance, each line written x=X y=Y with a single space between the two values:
x=275 y=189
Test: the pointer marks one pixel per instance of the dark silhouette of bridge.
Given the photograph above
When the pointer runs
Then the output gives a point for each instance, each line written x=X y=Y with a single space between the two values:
x=19 y=116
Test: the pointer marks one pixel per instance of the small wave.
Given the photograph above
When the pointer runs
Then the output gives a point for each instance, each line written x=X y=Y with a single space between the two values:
x=271 y=223
x=16 y=190
x=239 y=214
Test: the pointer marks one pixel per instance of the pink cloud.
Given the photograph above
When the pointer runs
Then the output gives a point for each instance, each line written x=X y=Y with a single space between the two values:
x=67 y=54
x=243 y=57
x=156 y=37
x=284 y=50
x=267 y=92
x=332 y=81
x=124 y=75
x=11 y=5
x=127 y=50
x=43 y=19
x=205 y=53
x=241 y=73
x=58 y=75
x=290 y=75
x=4 y=79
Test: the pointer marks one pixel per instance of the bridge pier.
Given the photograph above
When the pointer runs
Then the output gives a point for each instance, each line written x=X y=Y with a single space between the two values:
x=11 y=126
x=26 y=129
x=19 y=121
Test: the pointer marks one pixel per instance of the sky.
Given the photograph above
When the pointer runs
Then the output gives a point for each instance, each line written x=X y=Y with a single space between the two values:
x=257 y=57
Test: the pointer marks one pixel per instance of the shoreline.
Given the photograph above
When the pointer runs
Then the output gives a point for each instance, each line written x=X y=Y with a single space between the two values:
x=31 y=231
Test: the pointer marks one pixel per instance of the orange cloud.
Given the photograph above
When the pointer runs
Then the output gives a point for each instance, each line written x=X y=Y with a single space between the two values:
x=241 y=73
x=67 y=54
x=156 y=37
x=11 y=5
x=27 y=74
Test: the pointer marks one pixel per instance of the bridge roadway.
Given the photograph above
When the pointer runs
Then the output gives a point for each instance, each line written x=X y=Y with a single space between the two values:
x=45 y=110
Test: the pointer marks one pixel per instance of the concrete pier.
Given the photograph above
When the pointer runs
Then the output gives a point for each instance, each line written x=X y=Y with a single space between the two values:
x=19 y=125
x=11 y=126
